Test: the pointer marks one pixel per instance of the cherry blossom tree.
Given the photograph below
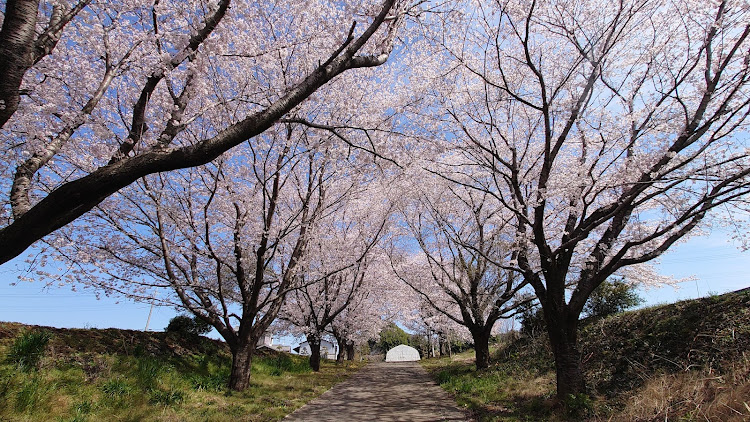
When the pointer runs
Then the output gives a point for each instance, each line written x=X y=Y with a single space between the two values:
x=96 y=95
x=464 y=248
x=226 y=241
x=334 y=276
x=609 y=131
x=360 y=322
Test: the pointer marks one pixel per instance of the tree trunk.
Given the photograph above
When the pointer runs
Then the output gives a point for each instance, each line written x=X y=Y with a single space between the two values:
x=314 y=342
x=350 y=350
x=482 y=348
x=16 y=56
x=342 y=349
x=242 y=359
x=563 y=336
x=441 y=344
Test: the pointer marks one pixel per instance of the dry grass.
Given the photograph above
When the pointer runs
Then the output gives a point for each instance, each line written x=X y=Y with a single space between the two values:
x=692 y=395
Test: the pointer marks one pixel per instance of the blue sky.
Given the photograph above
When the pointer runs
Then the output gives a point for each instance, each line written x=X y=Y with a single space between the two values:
x=717 y=265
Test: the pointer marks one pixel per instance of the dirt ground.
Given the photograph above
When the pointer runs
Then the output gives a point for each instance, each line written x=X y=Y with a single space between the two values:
x=383 y=391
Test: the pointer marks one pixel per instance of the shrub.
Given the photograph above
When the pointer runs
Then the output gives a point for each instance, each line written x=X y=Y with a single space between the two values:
x=28 y=348
x=391 y=336
x=186 y=325
x=611 y=297
x=532 y=320
x=578 y=405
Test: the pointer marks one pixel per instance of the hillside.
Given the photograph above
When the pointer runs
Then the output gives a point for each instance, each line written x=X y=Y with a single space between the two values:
x=709 y=334
x=126 y=375
x=684 y=361
x=67 y=342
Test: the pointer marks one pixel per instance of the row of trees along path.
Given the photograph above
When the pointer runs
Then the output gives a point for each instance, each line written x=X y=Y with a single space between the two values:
x=438 y=163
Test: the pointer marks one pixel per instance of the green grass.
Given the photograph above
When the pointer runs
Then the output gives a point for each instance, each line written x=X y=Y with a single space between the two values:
x=115 y=386
x=499 y=393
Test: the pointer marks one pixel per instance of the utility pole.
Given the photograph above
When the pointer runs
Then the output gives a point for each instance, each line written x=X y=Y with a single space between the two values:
x=149 y=316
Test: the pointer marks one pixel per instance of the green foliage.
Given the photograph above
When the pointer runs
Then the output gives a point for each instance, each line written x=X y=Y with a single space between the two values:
x=578 y=405
x=611 y=297
x=211 y=382
x=391 y=336
x=29 y=395
x=418 y=342
x=28 y=348
x=532 y=319
x=82 y=409
x=187 y=325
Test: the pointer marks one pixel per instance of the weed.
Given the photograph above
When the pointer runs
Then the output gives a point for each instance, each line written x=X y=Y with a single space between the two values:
x=166 y=398
x=29 y=395
x=116 y=388
x=82 y=410
x=211 y=382
x=28 y=348
x=578 y=405
x=147 y=372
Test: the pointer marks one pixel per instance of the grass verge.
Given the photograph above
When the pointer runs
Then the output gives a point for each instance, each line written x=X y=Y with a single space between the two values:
x=107 y=385
x=688 y=361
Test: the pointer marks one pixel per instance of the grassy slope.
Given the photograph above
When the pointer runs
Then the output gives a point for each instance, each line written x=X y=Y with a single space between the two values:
x=684 y=361
x=124 y=375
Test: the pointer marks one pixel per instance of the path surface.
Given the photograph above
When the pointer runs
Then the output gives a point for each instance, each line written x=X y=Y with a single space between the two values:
x=383 y=392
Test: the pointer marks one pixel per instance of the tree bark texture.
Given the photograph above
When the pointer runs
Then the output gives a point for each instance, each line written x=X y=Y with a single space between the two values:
x=482 y=348
x=314 y=343
x=563 y=336
x=349 y=350
x=16 y=52
x=242 y=359
x=342 y=349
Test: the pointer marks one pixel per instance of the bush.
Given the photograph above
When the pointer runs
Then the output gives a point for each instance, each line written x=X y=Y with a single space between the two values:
x=611 y=297
x=186 y=325
x=391 y=336
x=28 y=348
x=532 y=320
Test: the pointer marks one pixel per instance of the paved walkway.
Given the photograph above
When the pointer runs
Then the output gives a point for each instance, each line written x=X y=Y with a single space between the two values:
x=383 y=392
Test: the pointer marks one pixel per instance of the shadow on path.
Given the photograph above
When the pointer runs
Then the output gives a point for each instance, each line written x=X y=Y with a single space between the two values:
x=383 y=392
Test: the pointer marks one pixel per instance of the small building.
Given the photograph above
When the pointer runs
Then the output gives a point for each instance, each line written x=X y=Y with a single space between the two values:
x=402 y=353
x=267 y=342
x=327 y=349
